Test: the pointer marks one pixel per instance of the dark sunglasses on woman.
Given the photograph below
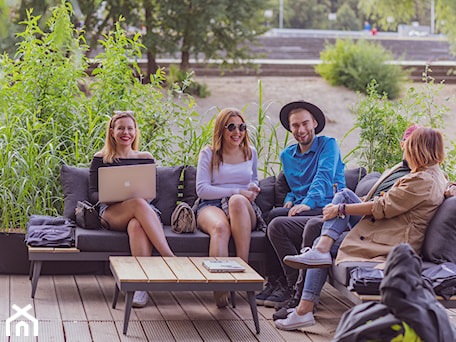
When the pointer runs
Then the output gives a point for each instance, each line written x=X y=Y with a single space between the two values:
x=231 y=127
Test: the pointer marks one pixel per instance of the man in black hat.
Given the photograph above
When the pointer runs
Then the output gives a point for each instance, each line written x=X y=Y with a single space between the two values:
x=313 y=168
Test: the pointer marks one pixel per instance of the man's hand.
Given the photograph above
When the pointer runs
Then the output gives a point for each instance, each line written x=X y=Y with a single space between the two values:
x=297 y=209
x=330 y=211
x=288 y=204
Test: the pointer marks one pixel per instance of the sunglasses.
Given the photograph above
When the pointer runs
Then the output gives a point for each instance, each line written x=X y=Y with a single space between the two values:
x=231 y=127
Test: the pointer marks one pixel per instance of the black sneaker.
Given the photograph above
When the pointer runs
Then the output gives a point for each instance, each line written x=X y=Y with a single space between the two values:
x=291 y=302
x=282 y=313
x=269 y=288
x=279 y=295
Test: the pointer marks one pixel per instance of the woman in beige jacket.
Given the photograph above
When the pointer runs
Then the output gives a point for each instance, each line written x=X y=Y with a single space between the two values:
x=401 y=215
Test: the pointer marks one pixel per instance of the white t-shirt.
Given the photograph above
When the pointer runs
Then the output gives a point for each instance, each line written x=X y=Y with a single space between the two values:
x=227 y=180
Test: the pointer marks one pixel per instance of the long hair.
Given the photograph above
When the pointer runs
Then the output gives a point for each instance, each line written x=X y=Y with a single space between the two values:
x=110 y=147
x=424 y=147
x=217 y=137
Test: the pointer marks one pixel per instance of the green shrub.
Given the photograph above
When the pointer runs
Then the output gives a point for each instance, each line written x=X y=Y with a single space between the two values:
x=355 y=64
x=381 y=124
x=186 y=83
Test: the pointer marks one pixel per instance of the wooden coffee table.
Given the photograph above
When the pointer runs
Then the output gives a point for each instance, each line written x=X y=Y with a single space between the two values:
x=180 y=274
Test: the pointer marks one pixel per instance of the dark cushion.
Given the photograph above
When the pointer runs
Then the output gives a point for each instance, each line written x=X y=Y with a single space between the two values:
x=353 y=176
x=189 y=191
x=75 y=185
x=92 y=240
x=196 y=244
x=281 y=189
x=266 y=198
x=167 y=189
x=367 y=183
x=440 y=241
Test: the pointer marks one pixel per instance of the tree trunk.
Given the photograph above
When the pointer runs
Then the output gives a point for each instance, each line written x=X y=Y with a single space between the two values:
x=152 y=66
x=185 y=63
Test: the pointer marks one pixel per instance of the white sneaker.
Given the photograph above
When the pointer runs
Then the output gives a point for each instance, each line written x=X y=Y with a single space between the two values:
x=295 y=321
x=140 y=299
x=310 y=258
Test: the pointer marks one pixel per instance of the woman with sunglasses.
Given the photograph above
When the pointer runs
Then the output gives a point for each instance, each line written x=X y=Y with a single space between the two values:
x=227 y=185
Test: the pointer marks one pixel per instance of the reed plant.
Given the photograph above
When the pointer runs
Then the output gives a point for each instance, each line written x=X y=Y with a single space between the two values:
x=47 y=121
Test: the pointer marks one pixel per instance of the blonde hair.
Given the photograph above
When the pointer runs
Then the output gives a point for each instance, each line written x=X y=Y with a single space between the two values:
x=424 y=147
x=217 y=137
x=110 y=147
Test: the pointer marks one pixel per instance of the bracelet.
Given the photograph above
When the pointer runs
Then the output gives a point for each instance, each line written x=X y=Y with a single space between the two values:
x=341 y=211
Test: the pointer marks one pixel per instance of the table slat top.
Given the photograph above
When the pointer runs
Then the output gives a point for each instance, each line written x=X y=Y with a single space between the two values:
x=176 y=270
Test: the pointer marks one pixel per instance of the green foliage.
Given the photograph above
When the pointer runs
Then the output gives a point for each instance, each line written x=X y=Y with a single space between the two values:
x=355 y=64
x=186 y=82
x=346 y=19
x=381 y=129
x=382 y=123
x=46 y=121
x=264 y=137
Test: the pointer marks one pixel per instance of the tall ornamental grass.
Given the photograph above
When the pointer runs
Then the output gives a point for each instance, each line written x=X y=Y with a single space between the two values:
x=46 y=120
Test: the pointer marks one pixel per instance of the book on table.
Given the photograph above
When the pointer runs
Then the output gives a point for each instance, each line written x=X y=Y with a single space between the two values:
x=223 y=266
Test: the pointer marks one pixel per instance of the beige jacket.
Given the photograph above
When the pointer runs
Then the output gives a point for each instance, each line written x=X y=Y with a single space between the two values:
x=401 y=215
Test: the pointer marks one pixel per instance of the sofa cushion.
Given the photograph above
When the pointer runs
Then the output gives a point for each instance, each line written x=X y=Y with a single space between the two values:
x=167 y=189
x=266 y=198
x=75 y=185
x=281 y=189
x=353 y=176
x=189 y=191
x=93 y=240
x=195 y=244
x=366 y=183
x=440 y=241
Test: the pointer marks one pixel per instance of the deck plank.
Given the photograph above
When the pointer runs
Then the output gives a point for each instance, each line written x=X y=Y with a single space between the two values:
x=77 y=331
x=93 y=300
x=50 y=331
x=168 y=307
x=184 y=331
x=104 y=331
x=62 y=302
x=211 y=331
x=5 y=306
x=194 y=309
x=46 y=301
x=70 y=302
x=157 y=331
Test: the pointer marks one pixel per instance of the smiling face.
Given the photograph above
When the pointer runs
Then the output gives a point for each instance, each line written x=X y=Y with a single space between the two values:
x=302 y=126
x=235 y=137
x=124 y=132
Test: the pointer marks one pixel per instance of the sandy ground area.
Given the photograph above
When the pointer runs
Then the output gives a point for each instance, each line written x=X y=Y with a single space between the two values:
x=336 y=102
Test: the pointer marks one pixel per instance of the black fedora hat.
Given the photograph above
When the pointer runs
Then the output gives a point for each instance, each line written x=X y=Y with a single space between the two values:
x=311 y=108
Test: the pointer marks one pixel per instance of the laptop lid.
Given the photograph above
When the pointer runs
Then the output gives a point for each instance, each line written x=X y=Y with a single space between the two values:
x=119 y=183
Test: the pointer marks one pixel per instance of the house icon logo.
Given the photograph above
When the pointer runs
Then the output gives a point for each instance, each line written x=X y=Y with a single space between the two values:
x=22 y=325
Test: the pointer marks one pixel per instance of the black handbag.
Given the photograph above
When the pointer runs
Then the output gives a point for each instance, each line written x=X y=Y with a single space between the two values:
x=87 y=216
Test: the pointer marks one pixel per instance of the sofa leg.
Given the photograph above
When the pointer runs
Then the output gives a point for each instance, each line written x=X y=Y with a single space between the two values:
x=35 y=275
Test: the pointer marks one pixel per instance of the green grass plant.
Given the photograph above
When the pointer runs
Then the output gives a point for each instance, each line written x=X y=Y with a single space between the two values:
x=47 y=121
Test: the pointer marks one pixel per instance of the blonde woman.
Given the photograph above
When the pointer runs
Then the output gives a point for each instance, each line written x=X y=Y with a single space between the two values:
x=227 y=184
x=139 y=218
x=401 y=215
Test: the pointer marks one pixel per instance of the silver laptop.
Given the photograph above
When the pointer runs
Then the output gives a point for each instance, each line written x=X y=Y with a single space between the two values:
x=119 y=183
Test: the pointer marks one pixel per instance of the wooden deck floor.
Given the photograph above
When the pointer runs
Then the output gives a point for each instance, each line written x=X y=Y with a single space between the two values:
x=78 y=308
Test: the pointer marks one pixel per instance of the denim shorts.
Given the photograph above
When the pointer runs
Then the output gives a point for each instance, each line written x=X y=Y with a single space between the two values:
x=209 y=203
